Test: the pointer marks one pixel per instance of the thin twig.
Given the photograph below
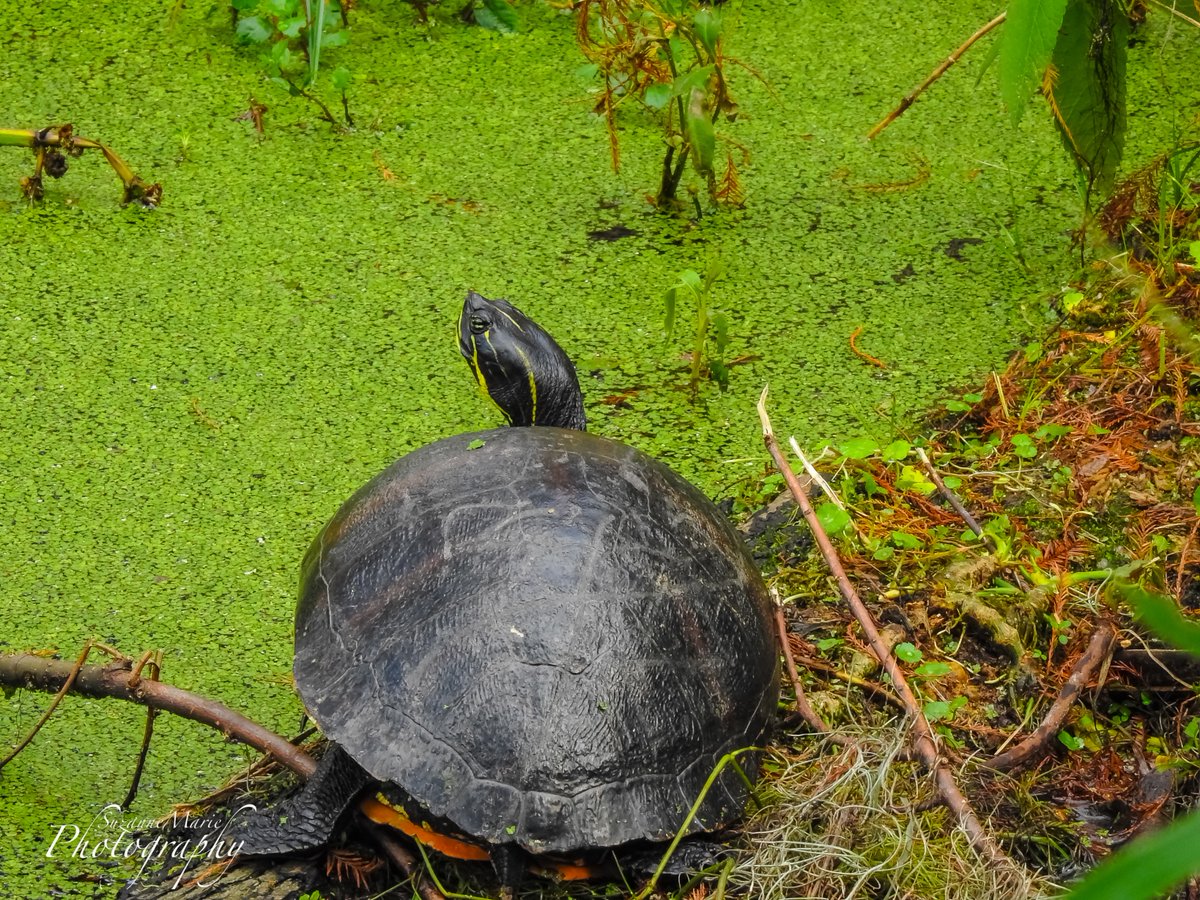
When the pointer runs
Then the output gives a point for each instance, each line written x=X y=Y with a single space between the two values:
x=933 y=76
x=953 y=500
x=154 y=660
x=1097 y=652
x=925 y=742
x=810 y=715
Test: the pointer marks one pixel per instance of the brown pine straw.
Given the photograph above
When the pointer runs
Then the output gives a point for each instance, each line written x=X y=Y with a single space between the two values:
x=924 y=740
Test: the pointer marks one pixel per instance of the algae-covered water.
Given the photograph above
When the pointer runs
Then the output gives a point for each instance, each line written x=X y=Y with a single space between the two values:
x=187 y=394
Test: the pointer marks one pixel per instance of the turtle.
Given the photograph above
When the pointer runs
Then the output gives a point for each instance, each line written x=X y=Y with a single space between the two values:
x=529 y=644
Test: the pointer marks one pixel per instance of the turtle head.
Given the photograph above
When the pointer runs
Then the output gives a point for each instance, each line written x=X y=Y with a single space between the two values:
x=520 y=366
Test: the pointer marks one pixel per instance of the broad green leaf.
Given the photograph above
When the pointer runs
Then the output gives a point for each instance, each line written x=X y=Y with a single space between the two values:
x=1026 y=44
x=1196 y=499
x=904 y=540
x=1024 y=446
x=1070 y=741
x=695 y=80
x=720 y=327
x=896 y=451
x=254 y=30
x=670 y=298
x=243 y=6
x=911 y=479
x=497 y=15
x=1147 y=866
x=691 y=278
x=657 y=96
x=707 y=23
x=341 y=79
x=1086 y=88
x=334 y=39
x=1162 y=616
x=1051 y=431
x=933 y=669
x=290 y=27
x=906 y=652
x=587 y=72
x=476 y=444
x=832 y=517
x=1194 y=250
x=858 y=448
x=700 y=133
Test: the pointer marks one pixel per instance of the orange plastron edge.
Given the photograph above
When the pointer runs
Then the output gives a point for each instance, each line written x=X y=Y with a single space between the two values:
x=377 y=809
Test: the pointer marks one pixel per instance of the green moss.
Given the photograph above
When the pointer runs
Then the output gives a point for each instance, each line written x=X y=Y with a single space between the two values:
x=188 y=394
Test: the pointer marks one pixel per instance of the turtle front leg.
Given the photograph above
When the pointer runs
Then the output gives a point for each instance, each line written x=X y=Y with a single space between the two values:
x=307 y=820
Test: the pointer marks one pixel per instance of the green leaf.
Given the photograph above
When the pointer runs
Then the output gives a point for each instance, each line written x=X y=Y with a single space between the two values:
x=832 y=517
x=1024 y=446
x=904 y=540
x=1069 y=741
x=896 y=451
x=290 y=27
x=316 y=37
x=341 y=79
x=1196 y=499
x=1087 y=94
x=1147 y=866
x=1051 y=432
x=334 y=39
x=858 y=448
x=1161 y=615
x=691 y=279
x=911 y=479
x=1026 y=44
x=695 y=80
x=476 y=444
x=1194 y=250
x=906 y=652
x=657 y=96
x=700 y=133
x=497 y=15
x=670 y=297
x=253 y=30
x=707 y=24
x=957 y=406
x=933 y=669
x=243 y=6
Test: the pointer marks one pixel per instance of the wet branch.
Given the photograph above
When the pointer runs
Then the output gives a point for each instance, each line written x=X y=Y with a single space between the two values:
x=925 y=742
x=1036 y=744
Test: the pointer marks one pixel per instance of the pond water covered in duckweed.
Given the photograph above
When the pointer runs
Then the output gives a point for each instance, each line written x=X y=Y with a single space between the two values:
x=188 y=394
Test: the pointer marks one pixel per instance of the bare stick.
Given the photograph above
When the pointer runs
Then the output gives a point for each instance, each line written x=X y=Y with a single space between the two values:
x=925 y=742
x=810 y=715
x=1036 y=744
x=953 y=500
x=29 y=671
x=933 y=76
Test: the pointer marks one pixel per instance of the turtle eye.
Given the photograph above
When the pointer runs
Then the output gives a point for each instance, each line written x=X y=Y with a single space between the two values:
x=478 y=325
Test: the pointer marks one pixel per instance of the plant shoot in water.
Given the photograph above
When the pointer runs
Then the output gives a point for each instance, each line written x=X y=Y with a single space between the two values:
x=294 y=33
x=51 y=147
x=705 y=353
x=667 y=55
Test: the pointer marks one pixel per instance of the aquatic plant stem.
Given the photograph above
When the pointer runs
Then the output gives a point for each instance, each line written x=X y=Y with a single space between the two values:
x=937 y=73
x=924 y=740
x=1086 y=667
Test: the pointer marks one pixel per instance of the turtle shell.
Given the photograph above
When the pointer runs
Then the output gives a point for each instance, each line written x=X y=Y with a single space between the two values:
x=543 y=636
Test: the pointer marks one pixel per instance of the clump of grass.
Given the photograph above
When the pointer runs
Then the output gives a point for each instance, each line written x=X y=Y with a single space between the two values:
x=845 y=823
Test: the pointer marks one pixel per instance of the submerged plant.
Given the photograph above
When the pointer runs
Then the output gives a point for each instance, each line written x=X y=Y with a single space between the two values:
x=706 y=354
x=668 y=56
x=294 y=33
x=51 y=147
